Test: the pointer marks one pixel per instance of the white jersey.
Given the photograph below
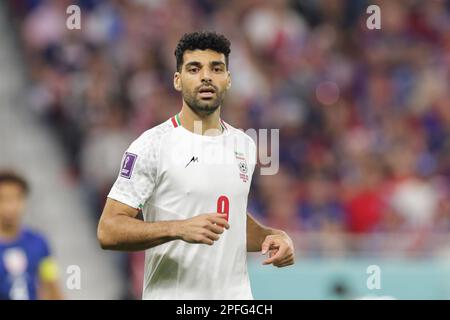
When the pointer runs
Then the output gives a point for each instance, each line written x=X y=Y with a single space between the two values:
x=172 y=173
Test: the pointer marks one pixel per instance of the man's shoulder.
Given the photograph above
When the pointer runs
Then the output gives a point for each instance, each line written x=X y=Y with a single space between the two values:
x=32 y=236
x=157 y=132
x=240 y=134
x=153 y=136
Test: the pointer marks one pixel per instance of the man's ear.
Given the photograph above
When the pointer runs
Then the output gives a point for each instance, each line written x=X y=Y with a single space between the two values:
x=177 y=81
x=229 y=80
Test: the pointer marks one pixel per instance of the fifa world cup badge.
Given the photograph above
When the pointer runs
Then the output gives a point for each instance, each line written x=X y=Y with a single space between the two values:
x=243 y=168
x=128 y=165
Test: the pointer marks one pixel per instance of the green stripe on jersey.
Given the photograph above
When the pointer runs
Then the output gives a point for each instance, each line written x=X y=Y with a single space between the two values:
x=177 y=119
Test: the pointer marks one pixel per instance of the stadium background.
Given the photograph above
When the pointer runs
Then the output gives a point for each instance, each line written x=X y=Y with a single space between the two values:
x=364 y=119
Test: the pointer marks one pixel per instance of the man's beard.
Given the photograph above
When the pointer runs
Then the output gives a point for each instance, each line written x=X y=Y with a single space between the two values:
x=203 y=107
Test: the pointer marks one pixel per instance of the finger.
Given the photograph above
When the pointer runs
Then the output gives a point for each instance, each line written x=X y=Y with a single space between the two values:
x=206 y=240
x=272 y=252
x=215 y=228
x=288 y=256
x=220 y=220
x=200 y=238
x=271 y=260
x=285 y=262
x=267 y=244
x=289 y=259
x=211 y=235
x=289 y=263
x=277 y=257
x=286 y=252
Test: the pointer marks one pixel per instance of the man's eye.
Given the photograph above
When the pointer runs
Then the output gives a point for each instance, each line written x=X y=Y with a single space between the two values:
x=218 y=69
x=193 y=70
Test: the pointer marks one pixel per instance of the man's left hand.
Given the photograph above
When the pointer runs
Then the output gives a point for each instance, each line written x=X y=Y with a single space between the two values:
x=280 y=248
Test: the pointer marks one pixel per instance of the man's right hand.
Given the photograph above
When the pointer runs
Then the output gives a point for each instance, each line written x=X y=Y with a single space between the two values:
x=204 y=228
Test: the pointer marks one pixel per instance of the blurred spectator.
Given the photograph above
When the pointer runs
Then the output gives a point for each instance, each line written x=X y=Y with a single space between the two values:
x=364 y=115
x=27 y=269
x=320 y=209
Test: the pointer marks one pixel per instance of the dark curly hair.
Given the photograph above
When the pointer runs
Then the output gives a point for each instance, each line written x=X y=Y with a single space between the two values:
x=202 y=40
x=13 y=177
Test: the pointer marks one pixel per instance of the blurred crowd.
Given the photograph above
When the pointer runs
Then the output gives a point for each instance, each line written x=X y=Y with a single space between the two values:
x=364 y=115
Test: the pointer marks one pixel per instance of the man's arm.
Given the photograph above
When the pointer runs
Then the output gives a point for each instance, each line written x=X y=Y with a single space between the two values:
x=257 y=233
x=49 y=290
x=265 y=239
x=119 y=229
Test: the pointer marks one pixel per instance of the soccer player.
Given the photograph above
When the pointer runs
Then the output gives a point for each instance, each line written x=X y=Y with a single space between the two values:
x=191 y=177
x=27 y=270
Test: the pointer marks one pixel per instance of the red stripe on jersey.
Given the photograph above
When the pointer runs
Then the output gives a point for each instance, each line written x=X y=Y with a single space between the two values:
x=174 y=122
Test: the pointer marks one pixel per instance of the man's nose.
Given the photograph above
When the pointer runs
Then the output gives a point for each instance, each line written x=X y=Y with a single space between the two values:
x=206 y=75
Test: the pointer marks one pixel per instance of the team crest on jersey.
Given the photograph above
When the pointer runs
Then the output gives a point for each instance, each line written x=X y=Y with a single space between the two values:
x=243 y=168
x=15 y=261
x=128 y=165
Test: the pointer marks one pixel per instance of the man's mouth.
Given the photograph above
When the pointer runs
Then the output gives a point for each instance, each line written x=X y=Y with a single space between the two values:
x=206 y=92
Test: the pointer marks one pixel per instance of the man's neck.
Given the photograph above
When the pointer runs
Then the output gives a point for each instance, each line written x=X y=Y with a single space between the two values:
x=200 y=124
x=9 y=233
